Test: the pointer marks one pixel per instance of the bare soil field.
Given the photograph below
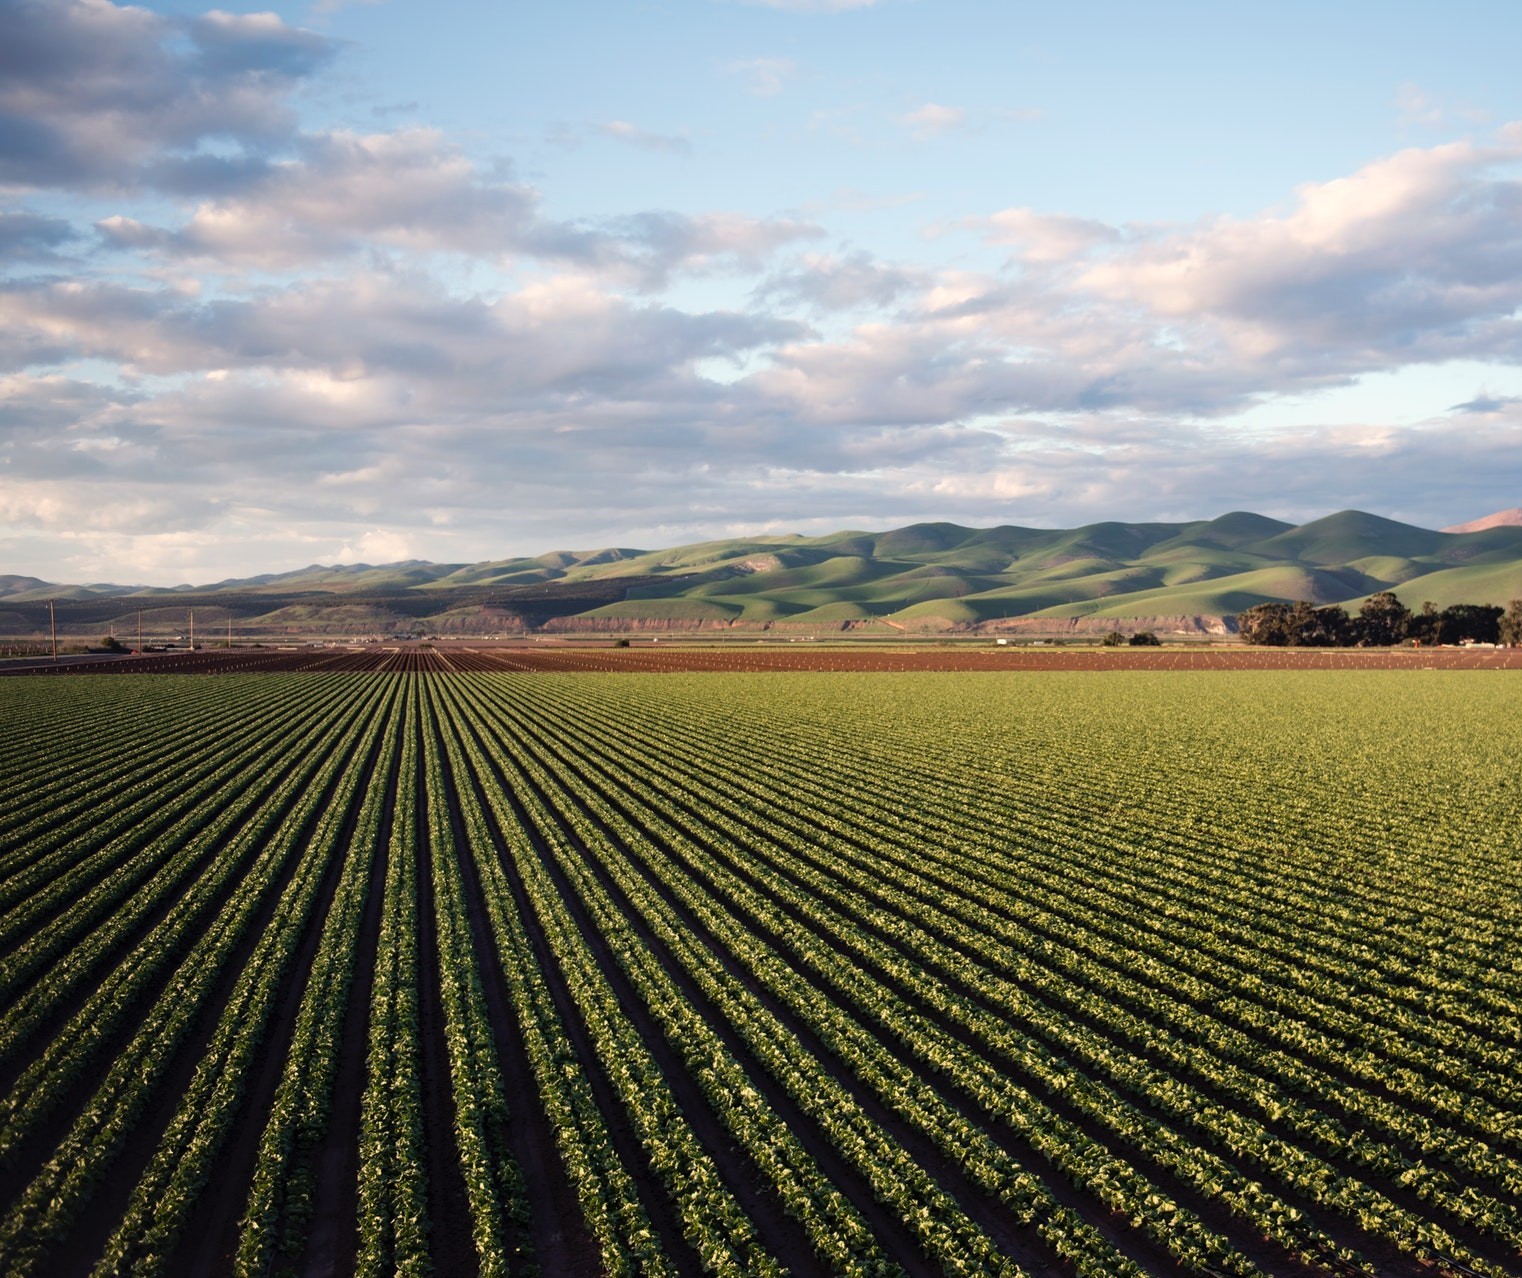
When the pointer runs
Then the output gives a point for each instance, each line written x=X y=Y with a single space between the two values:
x=742 y=659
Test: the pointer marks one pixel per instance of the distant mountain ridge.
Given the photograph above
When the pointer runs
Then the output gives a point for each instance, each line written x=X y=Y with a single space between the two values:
x=1195 y=575
x=1501 y=519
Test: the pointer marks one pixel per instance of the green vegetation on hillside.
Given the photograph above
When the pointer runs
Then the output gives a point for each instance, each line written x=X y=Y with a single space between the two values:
x=932 y=576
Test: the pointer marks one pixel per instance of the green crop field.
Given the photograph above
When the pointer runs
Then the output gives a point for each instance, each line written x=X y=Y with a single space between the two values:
x=1053 y=973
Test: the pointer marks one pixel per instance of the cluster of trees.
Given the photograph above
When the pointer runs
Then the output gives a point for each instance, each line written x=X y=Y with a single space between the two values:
x=1141 y=639
x=1382 y=621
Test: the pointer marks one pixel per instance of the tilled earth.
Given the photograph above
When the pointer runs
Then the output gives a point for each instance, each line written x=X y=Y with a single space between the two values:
x=673 y=658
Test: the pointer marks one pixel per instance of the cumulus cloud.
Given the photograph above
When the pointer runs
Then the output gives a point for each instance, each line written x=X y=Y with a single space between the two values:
x=380 y=345
x=412 y=190
x=26 y=236
x=89 y=91
x=1095 y=325
x=830 y=282
x=1046 y=237
x=290 y=471
x=350 y=340
x=1414 y=257
x=409 y=189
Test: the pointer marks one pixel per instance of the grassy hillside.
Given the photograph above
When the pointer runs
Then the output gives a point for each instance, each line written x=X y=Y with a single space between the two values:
x=932 y=576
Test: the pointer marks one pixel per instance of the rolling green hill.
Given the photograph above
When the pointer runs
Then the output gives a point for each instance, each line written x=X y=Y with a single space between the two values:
x=926 y=577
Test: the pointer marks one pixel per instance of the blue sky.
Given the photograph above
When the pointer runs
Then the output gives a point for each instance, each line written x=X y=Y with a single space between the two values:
x=370 y=281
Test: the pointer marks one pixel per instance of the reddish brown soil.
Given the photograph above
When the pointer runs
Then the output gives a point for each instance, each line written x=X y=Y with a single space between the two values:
x=657 y=658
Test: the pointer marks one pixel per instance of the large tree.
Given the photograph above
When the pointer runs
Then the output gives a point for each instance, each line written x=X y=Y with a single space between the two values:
x=1382 y=620
x=1479 y=623
x=1426 y=627
x=1511 y=624
x=1299 y=625
x=1267 y=624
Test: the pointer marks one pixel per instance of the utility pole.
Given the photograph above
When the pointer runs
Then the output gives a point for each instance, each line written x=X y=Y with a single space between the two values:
x=229 y=627
x=53 y=626
x=192 y=630
x=139 y=630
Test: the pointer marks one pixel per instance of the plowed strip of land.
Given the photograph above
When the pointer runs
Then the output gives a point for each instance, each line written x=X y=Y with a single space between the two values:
x=742 y=658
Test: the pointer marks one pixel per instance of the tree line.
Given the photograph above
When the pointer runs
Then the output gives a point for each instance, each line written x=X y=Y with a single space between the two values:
x=1381 y=622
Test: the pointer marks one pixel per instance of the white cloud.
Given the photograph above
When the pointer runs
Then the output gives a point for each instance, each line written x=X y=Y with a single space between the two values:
x=375 y=341
x=644 y=139
x=91 y=93
x=832 y=282
x=1414 y=257
x=412 y=191
x=763 y=77
x=1042 y=237
x=933 y=119
x=407 y=189
x=1415 y=107
x=377 y=546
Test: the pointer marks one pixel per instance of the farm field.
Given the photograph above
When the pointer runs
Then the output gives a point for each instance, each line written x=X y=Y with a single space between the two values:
x=470 y=970
x=737 y=657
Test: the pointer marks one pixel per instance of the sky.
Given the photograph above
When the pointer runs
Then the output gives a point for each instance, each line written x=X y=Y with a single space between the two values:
x=343 y=282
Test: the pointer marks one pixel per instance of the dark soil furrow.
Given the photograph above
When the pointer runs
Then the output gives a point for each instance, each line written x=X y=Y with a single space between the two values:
x=558 y=1236
x=451 y=1244
x=90 y=1232
x=782 y=1235
x=1241 y=1234
x=58 y=1015
x=658 y=1207
x=88 y=856
x=216 y=1240
x=334 y=1232
x=1408 y=1199
x=1023 y=1243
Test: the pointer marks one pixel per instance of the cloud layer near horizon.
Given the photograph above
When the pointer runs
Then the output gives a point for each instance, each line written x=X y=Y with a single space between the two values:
x=230 y=341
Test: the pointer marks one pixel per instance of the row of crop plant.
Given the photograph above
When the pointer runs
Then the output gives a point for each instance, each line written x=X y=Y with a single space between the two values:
x=1314 y=982
x=129 y=1028
x=863 y=975
x=126 y=874
x=53 y=817
x=1065 y=1144
x=1370 y=1209
x=926 y=1210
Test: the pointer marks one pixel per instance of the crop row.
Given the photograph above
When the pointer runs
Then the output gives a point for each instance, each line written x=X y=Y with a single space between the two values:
x=454 y=970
